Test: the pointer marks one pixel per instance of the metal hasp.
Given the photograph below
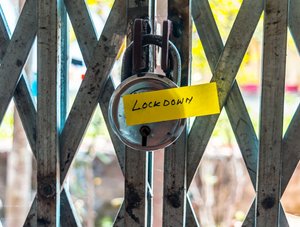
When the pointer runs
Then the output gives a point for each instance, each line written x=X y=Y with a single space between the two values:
x=151 y=136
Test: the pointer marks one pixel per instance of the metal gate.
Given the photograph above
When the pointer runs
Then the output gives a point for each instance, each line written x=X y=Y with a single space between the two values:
x=55 y=144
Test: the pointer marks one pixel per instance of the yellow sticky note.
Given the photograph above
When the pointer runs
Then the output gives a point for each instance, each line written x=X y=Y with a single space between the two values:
x=171 y=104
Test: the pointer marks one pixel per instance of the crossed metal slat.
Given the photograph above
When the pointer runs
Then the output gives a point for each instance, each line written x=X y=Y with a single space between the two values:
x=17 y=52
x=291 y=154
x=235 y=106
x=22 y=96
x=225 y=66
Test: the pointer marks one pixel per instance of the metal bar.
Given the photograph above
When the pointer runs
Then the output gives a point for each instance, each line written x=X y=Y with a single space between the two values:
x=224 y=75
x=291 y=155
x=17 y=52
x=87 y=41
x=27 y=110
x=135 y=188
x=104 y=103
x=119 y=221
x=149 y=176
x=48 y=190
x=31 y=217
x=294 y=20
x=235 y=106
x=274 y=62
x=88 y=95
x=22 y=96
x=150 y=55
x=4 y=34
x=68 y=216
x=64 y=65
x=136 y=162
x=83 y=27
x=174 y=199
x=68 y=219
x=191 y=218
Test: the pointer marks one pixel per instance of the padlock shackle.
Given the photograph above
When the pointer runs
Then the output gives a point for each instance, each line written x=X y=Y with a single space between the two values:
x=150 y=40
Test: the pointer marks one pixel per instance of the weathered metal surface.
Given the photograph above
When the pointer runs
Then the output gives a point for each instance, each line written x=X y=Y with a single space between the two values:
x=22 y=97
x=67 y=217
x=48 y=188
x=87 y=40
x=290 y=147
x=191 y=218
x=27 y=110
x=235 y=106
x=291 y=154
x=104 y=103
x=294 y=20
x=31 y=217
x=4 y=33
x=83 y=27
x=89 y=92
x=136 y=164
x=63 y=35
x=224 y=75
x=17 y=52
x=174 y=199
x=273 y=78
x=119 y=220
x=135 y=188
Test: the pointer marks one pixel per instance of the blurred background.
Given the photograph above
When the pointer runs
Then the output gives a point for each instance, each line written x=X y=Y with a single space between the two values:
x=221 y=192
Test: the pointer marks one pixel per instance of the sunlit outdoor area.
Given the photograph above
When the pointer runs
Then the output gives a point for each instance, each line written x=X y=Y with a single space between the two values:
x=221 y=192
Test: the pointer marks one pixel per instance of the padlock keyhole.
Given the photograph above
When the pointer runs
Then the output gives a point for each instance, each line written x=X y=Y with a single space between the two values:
x=145 y=132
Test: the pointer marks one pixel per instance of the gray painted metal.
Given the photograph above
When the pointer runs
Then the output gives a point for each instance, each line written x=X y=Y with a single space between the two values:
x=235 y=106
x=87 y=40
x=136 y=162
x=68 y=212
x=291 y=154
x=224 y=75
x=48 y=188
x=89 y=92
x=175 y=159
x=22 y=96
x=273 y=79
x=17 y=52
x=226 y=69
x=99 y=56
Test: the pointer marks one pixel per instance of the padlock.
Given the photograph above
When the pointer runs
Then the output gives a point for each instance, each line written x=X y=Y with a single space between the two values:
x=151 y=136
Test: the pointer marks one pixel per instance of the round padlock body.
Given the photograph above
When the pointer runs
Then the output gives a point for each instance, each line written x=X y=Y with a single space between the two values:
x=146 y=137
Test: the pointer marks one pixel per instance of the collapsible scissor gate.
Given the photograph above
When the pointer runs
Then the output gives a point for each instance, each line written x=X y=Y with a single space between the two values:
x=270 y=160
